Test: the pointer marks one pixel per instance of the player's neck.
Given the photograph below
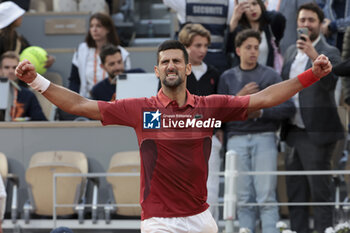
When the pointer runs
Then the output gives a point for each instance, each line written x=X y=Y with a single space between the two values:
x=178 y=94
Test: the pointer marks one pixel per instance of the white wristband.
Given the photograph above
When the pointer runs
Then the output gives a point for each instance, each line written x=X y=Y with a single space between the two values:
x=40 y=83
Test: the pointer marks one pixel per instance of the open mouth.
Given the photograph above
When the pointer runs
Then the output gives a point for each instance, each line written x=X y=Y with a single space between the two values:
x=171 y=76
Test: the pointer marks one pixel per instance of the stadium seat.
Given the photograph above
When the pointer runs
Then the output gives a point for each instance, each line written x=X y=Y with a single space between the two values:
x=39 y=177
x=14 y=180
x=3 y=166
x=126 y=190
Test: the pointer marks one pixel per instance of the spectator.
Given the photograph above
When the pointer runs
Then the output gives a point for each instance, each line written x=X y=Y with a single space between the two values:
x=254 y=140
x=344 y=68
x=10 y=40
x=203 y=81
x=337 y=18
x=288 y=8
x=86 y=70
x=271 y=24
x=112 y=64
x=25 y=105
x=214 y=16
x=315 y=128
x=2 y=202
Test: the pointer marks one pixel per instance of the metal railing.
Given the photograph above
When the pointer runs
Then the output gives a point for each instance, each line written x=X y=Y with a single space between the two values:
x=230 y=197
x=94 y=204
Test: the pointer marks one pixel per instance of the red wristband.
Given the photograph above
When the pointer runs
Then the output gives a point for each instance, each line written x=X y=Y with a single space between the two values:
x=307 y=78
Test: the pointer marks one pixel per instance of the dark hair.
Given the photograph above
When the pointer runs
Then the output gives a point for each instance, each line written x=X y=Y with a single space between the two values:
x=9 y=36
x=244 y=35
x=108 y=50
x=172 y=44
x=244 y=22
x=312 y=7
x=107 y=22
x=10 y=55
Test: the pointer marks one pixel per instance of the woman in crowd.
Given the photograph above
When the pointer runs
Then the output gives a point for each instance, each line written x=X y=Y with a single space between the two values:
x=253 y=14
x=10 y=40
x=86 y=65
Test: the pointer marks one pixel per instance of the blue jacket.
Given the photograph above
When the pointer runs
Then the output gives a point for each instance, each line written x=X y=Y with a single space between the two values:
x=337 y=24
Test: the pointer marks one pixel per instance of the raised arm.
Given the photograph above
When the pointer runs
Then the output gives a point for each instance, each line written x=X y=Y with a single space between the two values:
x=63 y=98
x=280 y=92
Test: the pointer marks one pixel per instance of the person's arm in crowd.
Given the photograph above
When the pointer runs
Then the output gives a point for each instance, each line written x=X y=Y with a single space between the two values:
x=281 y=92
x=333 y=26
x=329 y=82
x=321 y=3
x=307 y=47
x=50 y=60
x=343 y=68
x=63 y=98
x=238 y=11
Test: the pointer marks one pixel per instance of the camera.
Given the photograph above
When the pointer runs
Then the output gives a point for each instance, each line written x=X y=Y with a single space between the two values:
x=301 y=31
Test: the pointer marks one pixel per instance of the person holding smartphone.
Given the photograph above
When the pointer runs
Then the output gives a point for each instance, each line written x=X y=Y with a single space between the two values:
x=253 y=14
x=254 y=140
x=311 y=134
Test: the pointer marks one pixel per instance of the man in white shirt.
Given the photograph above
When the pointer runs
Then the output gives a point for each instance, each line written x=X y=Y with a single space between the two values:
x=314 y=130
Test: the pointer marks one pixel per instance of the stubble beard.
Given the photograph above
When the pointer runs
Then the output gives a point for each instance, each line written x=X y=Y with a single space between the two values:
x=172 y=84
x=313 y=36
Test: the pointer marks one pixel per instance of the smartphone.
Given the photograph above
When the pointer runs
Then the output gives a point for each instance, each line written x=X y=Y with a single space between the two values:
x=302 y=31
x=239 y=1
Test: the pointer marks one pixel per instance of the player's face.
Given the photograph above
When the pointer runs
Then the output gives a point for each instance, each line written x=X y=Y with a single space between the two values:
x=8 y=68
x=197 y=50
x=254 y=12
x=249 y=52
x=172 y=70
x=97 y=30
x=309 y=19
x=114 y=65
